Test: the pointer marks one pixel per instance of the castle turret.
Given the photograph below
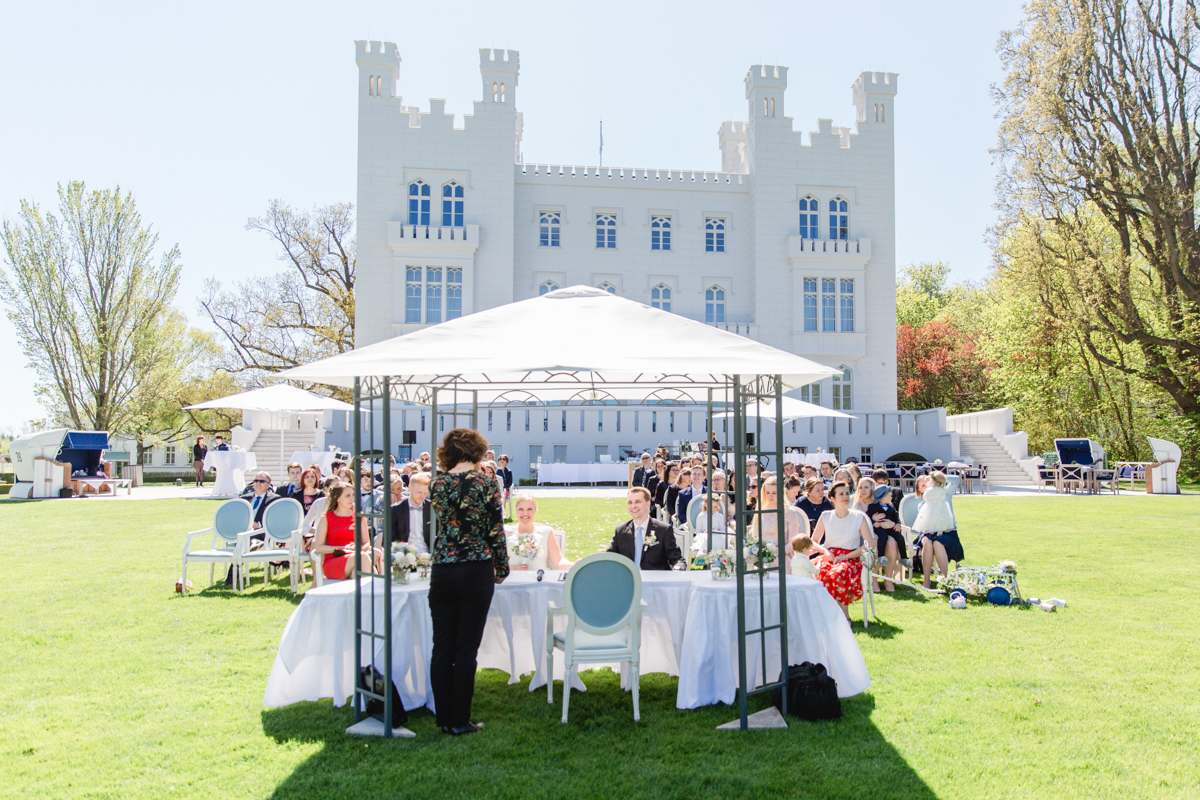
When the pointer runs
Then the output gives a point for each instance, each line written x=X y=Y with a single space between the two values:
x=499 y=70
x=731 y=139
x=874 y=94
x=378 y=67
x=764 y=91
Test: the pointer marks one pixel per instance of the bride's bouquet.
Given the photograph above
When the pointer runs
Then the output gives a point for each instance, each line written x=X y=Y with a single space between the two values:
x=524 y=545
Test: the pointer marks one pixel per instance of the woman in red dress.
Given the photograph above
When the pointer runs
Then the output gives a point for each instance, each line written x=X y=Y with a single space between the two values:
x=845 y=533
x=335 y=535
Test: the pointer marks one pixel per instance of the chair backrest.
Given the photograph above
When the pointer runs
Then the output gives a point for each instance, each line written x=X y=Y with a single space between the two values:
x=908 y=470
x=282 y=519
x=908 y=509
x=561 y=538
x=693 y=510
x=602 y=591
x=231 y=518
x=683 y=539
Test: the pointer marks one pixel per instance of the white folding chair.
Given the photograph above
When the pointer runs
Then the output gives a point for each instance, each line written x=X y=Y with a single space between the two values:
x=683 y=538
x=603 y=606
x=231 y=519
x=281 y=522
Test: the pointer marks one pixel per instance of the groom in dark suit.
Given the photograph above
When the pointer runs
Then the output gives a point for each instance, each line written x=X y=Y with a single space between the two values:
x=648 y=543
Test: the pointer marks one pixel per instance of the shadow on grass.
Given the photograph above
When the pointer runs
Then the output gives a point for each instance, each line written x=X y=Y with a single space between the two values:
x=524 y=750
x=877 y=630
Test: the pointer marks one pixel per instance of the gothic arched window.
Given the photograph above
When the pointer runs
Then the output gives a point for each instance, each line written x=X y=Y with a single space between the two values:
x=808 y=217
x=418 y=203
x=839 y=219
x=452 y=205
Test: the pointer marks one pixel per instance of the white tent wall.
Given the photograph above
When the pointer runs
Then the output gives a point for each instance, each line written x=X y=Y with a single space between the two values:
x=643 y=427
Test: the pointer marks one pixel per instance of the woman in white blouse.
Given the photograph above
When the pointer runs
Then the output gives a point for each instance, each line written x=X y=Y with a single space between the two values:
x=845 y=533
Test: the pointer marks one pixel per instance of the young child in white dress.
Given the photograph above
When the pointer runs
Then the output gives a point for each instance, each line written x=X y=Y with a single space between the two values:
x=803 y=566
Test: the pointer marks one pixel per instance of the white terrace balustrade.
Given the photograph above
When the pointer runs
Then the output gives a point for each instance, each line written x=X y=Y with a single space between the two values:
x=630 y=176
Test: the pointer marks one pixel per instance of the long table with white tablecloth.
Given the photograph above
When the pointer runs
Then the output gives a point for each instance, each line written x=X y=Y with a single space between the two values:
x=689 y=629
x=583 y=473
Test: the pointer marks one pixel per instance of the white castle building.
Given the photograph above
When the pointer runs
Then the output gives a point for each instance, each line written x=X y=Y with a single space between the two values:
x=791 y=243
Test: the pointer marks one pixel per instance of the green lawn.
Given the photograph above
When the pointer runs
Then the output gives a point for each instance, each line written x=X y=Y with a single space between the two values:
x=116 y=687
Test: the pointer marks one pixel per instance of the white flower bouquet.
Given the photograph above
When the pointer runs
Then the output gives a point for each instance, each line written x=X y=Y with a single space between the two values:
x=524 y=546
x=760 y=553
x=404 y=561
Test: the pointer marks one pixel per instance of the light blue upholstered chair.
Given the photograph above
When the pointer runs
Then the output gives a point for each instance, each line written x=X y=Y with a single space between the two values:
x=281 y=522
x=231 y=519
x=603 y=607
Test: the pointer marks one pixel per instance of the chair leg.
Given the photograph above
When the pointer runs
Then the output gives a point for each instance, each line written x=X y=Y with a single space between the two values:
x=212 y=571
x=568 y=673
x=637 y=712
x=183 y=585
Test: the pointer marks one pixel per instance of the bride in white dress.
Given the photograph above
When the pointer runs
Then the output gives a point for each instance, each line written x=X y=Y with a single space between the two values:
x=548 y=555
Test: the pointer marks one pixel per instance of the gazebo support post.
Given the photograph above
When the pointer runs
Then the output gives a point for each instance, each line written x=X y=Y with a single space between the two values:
x=770 y=388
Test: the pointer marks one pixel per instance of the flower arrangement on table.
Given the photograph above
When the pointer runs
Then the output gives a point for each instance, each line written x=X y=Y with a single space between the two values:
x=424 y=562
x=404 y=561
x=723 y=563
x=764 y=553
x=524 y=546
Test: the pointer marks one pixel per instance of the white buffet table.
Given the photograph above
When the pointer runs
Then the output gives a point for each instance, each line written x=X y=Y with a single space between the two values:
x=583 y=473
x=689 y=629
x=231 y=466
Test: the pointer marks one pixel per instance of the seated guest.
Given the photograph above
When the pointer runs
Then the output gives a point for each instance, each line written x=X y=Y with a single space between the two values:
x=694 y=489
x=336 y=466
x=310 y=489
x=765 y=526
x=219 y=443
x=549 y=556
x=683 y=480
x=864 y=495
x=423 y=460
x=841 y=474
x=492 y=473
x=720 y=516
x=751 y=467
x=397 y=486
x=648 y=543
x=642 y=474
x=855 y=473
x=827 y=472
x=882 y=478
x=335 y=539
x=936 y=528
x=791 y=490
x=789 y=469
x=407 y=471
x=814 y=503
x=410 y=517
x=293 y=485
x=259 y=495
x=845 y=533
x=807 y=471
x=653 y=480
x=885 y=520
x=669 y=477
x=318 y=506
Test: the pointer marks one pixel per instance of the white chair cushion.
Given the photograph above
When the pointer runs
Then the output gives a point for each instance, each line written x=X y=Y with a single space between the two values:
x=225 y=555
x=267 y=555
x=591 y=641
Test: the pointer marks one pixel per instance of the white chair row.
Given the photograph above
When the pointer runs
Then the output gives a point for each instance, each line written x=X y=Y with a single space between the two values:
x=231 y=544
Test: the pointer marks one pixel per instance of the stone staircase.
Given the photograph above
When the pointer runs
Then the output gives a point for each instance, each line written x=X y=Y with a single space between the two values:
x=266 y=450
x=1002 y=469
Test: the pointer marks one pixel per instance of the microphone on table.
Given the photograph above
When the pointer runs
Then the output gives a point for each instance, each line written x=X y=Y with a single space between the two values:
x=541 y=573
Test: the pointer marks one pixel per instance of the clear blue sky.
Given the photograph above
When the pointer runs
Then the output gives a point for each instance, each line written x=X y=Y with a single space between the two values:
x=208 y=111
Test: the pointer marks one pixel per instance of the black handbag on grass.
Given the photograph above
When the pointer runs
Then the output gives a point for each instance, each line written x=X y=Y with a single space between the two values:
x=371 y=679
x=812 y=693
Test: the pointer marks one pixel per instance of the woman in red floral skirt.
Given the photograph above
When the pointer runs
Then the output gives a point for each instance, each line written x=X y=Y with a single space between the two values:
x=845 y=533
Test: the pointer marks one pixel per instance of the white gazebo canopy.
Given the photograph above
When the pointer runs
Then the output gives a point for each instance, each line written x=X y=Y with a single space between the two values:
x=574 y=344
x=280 y=399
x=789 y=409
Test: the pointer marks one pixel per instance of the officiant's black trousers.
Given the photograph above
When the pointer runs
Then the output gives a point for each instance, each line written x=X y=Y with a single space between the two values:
x=459 y=597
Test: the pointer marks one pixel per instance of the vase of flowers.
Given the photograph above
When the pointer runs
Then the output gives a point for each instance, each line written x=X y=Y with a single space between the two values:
x=723 y=564
x=404 y=561
x=763 y=553
x=424 y=563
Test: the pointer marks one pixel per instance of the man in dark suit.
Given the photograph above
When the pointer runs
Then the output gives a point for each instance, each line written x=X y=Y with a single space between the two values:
x=648 y=543
x=412 y=515
x=259 y=495
x=293 y=484
x=643 y=473
x=220 y=443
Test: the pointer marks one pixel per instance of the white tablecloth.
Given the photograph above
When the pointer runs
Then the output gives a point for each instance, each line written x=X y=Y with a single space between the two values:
x=230 y=466
x=322 y=458
x=583 y=473
x=689 y=629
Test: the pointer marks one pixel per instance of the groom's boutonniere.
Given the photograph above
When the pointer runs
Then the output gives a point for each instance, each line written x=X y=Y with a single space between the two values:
x=649 y=540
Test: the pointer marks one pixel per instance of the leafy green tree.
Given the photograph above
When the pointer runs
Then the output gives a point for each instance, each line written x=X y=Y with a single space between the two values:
x=92 y=306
